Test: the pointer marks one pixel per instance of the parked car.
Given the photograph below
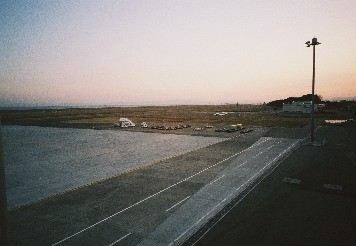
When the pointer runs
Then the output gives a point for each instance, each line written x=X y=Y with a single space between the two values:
x=246 y=131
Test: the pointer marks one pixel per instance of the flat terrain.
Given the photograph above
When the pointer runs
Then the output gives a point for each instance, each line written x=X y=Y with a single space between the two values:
x=195 y=115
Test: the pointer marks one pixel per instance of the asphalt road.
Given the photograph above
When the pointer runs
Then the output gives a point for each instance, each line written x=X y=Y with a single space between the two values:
x=309 y=199
x=245 y=170
x=127 y=208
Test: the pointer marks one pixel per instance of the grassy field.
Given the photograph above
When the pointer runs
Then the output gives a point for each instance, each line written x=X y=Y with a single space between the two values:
x=248 y=115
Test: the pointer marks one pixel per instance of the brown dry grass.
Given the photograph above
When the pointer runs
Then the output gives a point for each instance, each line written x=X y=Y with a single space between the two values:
x=187 y=114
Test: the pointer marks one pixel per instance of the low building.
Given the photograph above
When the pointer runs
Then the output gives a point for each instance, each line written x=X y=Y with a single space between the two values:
x=301 y=107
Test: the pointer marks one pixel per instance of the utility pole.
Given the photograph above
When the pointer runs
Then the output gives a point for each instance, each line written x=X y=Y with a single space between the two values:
x=4 y=236
x=313 y=43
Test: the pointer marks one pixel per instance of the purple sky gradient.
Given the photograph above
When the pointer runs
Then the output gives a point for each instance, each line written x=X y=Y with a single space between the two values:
x=173 y=52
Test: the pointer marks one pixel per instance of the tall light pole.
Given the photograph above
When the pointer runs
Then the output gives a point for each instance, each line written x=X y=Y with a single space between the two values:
x=313 y=43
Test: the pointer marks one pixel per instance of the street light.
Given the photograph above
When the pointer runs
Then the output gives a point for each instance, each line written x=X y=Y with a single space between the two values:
x=313 y=43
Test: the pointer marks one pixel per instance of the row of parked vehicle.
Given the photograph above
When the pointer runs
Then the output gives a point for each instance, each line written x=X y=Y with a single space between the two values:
x=235 y=128
x=124 y=122
x=170 y=127
x=230 y=130
x=227 y=130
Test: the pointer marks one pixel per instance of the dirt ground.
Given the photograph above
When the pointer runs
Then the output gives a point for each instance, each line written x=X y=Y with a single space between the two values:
x=194 y=115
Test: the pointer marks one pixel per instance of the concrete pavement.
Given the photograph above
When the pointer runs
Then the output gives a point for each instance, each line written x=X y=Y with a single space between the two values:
x=43 y=161
x=126 y=208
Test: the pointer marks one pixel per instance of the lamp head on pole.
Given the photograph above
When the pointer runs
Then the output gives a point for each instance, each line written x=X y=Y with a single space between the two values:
x=313 y=42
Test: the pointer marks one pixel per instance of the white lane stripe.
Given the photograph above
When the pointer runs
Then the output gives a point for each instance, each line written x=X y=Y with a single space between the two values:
x=264 y=150
x=245 y=194
x=257 y=154
x=177 y=203
x=232 y=193
x=217 y=179
x=149 y=197
x=120 y=239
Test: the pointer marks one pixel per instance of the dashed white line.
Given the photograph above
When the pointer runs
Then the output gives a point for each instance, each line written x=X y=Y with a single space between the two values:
x=120 y=239
x=267 y=149
x=232 y=193
x=217 y=179
x=155 y=194
x=259 y=153
x=177 y=203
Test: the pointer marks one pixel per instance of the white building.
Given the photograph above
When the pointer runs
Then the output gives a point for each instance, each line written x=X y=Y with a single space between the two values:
x=302 y=107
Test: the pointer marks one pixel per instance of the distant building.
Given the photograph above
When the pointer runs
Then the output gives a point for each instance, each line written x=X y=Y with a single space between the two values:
x=301 y=107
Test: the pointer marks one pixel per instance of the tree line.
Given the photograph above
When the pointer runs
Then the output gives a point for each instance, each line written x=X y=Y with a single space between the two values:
x=307 y=97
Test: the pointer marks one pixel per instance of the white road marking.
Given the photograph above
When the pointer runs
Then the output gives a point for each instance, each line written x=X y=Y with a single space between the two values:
x=217 y=179
x=153 y=195
x=247 y=161
x=260 y=153
x=177 y=203
x=120 y=239
x=292 y=181
x=332 y=186
x=267 y=149
x=232 y=193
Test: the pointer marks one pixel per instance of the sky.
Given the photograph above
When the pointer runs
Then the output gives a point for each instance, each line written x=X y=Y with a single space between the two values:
x=173 y=51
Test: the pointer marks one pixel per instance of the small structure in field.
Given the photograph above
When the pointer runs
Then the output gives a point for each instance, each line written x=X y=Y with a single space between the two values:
x=125 y=122
x=238 y=127
x=339 y=122
x=220 y=114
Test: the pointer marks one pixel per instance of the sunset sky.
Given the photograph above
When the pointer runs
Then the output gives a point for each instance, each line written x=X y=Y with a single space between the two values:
x=173 y=51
